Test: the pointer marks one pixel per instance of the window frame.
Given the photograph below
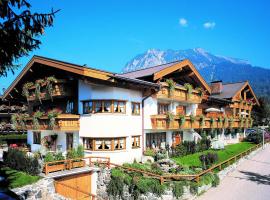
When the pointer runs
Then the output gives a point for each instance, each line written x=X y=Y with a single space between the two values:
x=136 y=104
x=113 y=141
x=103 y=101
x=133 y=141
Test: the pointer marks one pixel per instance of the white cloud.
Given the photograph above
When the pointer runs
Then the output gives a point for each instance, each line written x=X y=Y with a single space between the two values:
x=183 y=22
x=209 y=25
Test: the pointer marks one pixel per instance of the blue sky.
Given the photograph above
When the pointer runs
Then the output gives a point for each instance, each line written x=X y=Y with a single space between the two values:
x=107 y=34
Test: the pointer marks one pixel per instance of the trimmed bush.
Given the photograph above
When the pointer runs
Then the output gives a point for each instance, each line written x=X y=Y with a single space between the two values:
x=208 y=159
x=18 y=160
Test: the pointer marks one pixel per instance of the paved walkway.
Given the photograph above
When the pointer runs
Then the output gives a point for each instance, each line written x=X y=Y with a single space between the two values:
x=250 y=181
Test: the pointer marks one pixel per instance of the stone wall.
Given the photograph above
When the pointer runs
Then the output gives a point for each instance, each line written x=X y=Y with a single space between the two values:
x=104 y=177
x=41 y=190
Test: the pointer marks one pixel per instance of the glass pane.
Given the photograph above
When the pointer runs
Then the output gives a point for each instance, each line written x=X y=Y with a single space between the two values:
x=121 y=143
x=98 y=106
x=99 y=144
x=107 y=106
x=107 y=144
x=121 y=106
x=115 y=106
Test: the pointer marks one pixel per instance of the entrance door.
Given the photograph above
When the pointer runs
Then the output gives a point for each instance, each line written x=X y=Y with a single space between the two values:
x=74 y=187
x=69 y=137
x=177 y=138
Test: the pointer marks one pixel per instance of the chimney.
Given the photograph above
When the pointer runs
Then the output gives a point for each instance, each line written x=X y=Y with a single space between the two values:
x=216 y=87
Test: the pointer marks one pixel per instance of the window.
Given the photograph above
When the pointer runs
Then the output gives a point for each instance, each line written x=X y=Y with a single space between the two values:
x=163 y=108
x=88 y=143
x=70 y=107
x=135 y=107
x=104 y=144
x=36 y=137
x=104 y=106
x=135 y=141
x=87 y=107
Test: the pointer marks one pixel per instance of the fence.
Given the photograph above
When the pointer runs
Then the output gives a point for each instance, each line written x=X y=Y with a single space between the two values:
x=67 y=164
x=191 y=177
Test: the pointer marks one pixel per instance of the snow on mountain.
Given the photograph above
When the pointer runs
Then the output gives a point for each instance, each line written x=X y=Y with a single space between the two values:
x=212 y=67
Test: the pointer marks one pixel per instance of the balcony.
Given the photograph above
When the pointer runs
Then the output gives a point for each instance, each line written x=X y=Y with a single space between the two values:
x=179 y=94
x=60 y=89
x=63 y=122
x=161 y=122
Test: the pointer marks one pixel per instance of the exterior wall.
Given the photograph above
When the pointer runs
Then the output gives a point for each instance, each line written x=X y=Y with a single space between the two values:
x=120 y=156
x=61 y=140
x=111 y=125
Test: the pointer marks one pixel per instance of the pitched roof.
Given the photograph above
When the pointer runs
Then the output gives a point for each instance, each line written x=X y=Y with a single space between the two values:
x=229 y=90
x=148 y=71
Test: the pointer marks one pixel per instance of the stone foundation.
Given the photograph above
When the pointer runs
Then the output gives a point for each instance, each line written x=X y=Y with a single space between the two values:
x=104 y=177
x=41 y=190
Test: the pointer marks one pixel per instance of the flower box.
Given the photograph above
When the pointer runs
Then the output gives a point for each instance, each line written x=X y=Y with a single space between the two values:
x=55 y=167
x=75 y=164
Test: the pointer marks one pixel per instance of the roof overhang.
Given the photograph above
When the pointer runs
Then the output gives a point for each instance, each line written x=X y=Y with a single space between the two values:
x=178 y=66
x=251 y=90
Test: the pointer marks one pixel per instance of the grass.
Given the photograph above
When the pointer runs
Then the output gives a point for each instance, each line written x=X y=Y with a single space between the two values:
x=228 y=152
x=16 y=178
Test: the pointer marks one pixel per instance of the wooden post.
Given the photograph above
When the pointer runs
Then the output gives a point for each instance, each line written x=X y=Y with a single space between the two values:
x=46 y=168
x=90 y=162
x=69 y=164
x=161 y=180
x=108 y=163
x=197 y=179
x=220 y=167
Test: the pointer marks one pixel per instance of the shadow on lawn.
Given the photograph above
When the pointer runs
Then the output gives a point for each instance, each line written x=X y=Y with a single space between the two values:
x=255 y=177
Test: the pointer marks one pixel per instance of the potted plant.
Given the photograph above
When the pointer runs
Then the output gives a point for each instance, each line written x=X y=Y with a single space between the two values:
x=182 y=120
x=37 y=115
x=49 y=86
x=170 y=118
x=202 y=121
x=76 y=155
x=212 y=121
x=189 y=89
x=200 y=91
x=22 y=120
x=192 y=119
x=52 y=163
x=52 y=115
x=225 y=121
x=25 y=90
x=171 y=85
x=14 y=120
x=220 y=120
x=231 y=120
x=38 y=84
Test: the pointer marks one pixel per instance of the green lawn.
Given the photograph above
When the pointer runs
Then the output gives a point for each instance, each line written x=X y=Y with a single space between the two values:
x=16 y=178
x=228 y=152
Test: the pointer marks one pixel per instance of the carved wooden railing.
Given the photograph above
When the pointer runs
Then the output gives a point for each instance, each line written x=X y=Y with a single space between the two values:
x=179 y=94
x=63 y=122
x=162 y=122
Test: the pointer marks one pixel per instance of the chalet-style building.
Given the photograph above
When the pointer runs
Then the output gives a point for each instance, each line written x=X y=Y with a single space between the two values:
x=120 y=115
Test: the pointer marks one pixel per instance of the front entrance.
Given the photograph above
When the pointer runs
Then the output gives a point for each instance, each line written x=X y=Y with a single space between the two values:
x=156 y=140
x=74 y=187
x=69 y=138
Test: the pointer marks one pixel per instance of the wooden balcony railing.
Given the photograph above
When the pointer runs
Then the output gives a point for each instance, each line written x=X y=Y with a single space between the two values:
x=63 y=122
x=179 y=94
x=161 y=122
x=60 y=89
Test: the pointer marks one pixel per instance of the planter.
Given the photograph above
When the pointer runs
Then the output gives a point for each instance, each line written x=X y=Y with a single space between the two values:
x=76 y=164
x=55 y=167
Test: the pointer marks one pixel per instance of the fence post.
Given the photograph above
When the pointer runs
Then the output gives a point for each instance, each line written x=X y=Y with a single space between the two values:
x=220 y=167
x=161 y=180
x=46 y=168
x=197 y=179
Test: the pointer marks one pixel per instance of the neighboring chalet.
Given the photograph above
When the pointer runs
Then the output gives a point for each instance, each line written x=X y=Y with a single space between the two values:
x=120 y=115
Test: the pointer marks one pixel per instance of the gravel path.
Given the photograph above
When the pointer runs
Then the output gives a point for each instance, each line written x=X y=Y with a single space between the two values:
x=249 y=181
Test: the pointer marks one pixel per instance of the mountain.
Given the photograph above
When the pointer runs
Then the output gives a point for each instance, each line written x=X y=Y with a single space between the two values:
x=212 y=67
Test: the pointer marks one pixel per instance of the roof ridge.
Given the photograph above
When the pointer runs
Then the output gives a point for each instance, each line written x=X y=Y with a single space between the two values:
x=235 y=82
x=152 y=66
x=86 y=67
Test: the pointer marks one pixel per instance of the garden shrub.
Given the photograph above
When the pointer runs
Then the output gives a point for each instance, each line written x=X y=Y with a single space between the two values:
x=160 y=155
x=208 y=159
x=49 y=157
x=178 y=189
x=18 y=160
x=193 y=188
x=190 y=146
x=179 y=150
x=149 y=152
x=216 y=180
